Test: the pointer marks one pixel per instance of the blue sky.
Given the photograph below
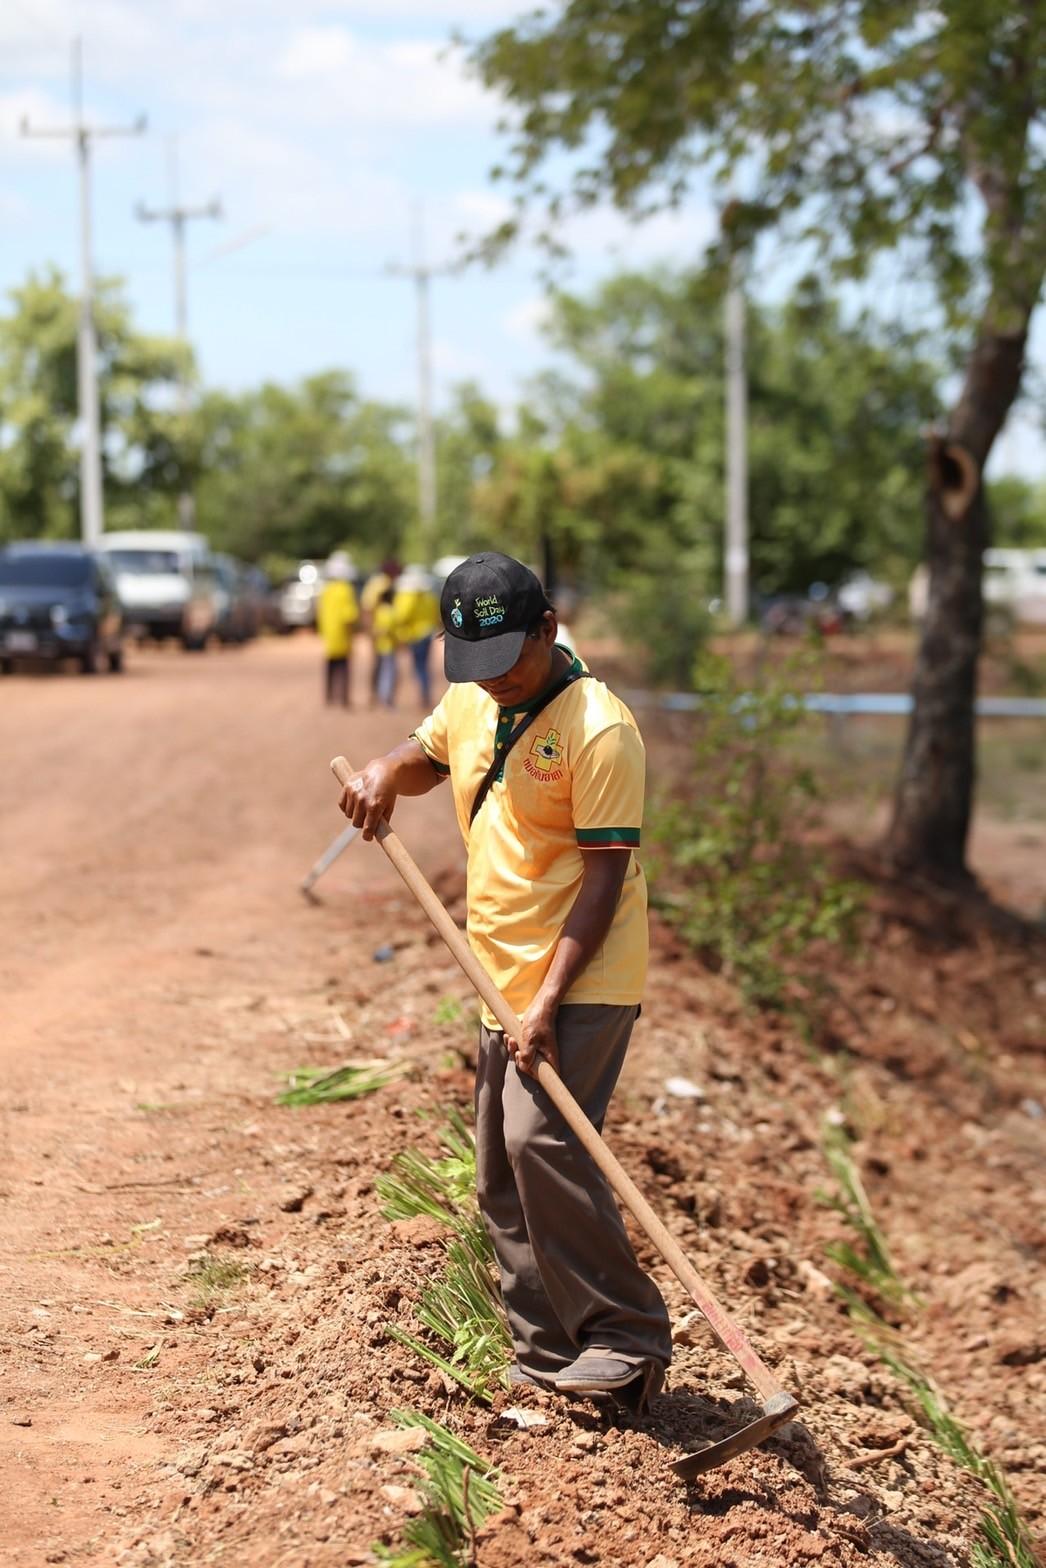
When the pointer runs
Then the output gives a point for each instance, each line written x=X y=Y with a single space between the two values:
x=318 y=125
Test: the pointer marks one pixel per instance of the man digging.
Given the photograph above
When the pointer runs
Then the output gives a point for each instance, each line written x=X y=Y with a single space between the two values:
x=557 y=917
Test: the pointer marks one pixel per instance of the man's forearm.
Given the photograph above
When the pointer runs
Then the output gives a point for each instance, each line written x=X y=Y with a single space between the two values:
x=412 y=770
x=373 y=792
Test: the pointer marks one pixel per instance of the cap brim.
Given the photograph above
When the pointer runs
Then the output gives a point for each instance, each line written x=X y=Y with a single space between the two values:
x=484 y=660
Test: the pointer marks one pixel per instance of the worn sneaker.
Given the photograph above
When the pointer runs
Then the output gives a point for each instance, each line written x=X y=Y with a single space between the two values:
x=519 y=1377
x=599 y=1373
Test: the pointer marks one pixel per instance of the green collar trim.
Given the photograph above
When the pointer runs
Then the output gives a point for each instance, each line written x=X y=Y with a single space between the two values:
x=576 y=668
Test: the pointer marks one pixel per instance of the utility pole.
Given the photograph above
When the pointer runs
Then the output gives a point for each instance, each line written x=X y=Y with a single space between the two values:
x=736 y=447
x=178 y=216
x=422 y=276
x=91 y=506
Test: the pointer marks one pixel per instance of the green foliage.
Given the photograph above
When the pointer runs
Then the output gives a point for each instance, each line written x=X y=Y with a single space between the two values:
x=620 y=457
x=737 y=874
x=1018 y=511
x=664 y=619
x=39 y=463
x=300 y=471
x=461 y=1307
x=322 y=1085
x=460 y=1491
x=865 y=127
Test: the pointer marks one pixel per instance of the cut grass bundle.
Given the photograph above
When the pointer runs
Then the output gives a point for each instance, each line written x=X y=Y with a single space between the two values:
x=460 y=1491
x=319 y=1085
x=1004 y=1541
x=462 y=1307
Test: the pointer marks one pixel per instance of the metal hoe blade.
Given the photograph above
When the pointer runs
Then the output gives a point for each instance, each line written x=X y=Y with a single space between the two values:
x=776 y=1413
x=326 y=860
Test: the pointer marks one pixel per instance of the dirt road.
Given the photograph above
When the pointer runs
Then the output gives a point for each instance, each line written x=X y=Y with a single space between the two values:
x=158 y=970
x=153 y=830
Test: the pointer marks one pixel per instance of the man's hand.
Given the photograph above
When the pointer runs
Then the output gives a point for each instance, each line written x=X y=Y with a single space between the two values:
x=370 y=796
x=538 y=1036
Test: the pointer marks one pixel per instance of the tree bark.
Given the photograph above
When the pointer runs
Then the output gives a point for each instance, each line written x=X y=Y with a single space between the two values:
x=933 y=802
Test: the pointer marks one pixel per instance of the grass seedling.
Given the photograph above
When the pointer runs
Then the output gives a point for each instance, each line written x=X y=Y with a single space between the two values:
x=213 y=1279
x=1004 y=1541
x=460 y=1491
x=448 y=1011
x=443 y=1189
x=461 y=1308
x=870 y=1261
x=320 y=1085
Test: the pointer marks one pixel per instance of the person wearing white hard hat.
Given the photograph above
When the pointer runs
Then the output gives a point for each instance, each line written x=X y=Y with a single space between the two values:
x=336 y=616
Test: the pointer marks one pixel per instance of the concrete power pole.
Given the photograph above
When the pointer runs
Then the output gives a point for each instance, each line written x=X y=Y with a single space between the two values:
x=178 y=216
x=422 y=276
x=736 y=448
x=91 y=506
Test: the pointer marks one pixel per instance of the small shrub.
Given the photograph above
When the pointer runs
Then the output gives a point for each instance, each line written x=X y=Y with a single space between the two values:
x=734 y=870
x=664 y=618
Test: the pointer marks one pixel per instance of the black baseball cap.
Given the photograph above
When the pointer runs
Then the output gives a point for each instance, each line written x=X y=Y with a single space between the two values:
x=487 y=604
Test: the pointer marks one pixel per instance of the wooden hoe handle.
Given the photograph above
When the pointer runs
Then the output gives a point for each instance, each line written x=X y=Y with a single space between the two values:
x=729 y=1334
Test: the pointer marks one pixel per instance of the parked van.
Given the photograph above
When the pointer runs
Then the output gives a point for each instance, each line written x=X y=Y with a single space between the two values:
x=167 y=582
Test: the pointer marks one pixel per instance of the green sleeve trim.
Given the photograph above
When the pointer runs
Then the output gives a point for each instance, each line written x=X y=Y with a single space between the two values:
x=441 y=767
x=607 y=838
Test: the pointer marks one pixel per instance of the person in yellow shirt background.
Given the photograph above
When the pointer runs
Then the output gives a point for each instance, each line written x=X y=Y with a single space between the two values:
x=417 y=621
x=385 y=636
x=336 y=615
x=373 y=590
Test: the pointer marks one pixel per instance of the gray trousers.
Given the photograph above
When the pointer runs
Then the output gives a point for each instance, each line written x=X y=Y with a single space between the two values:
x=569 y=1277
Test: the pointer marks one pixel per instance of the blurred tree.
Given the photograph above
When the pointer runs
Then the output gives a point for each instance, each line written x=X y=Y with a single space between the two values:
x=39 y=463
x=469 y=444
x=1018 y=513
x=835 y=454
x=298 y=471
x=868 y=126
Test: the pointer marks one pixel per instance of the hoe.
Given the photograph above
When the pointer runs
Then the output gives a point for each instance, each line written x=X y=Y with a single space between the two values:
x=778 y=1405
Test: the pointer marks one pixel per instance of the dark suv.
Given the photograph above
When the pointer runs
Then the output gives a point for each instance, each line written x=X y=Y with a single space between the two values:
x=58 y=601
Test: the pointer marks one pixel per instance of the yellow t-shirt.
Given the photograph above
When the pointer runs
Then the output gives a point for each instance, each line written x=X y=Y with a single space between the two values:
x=384 y=629
x=336 y=614
x=574 y=781
x=417 y=613
x=373 y=589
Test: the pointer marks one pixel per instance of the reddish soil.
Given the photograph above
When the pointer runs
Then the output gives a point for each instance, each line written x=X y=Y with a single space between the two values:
x=159 y=972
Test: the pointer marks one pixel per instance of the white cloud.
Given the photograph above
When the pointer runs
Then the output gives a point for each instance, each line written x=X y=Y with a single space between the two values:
x=526 y=321
x=404 y=84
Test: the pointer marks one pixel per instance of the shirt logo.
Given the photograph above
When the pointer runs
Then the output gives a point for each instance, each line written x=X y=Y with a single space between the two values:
x=548 y=754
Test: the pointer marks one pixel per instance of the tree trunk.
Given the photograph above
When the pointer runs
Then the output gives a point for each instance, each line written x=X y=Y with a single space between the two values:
x=933 y=802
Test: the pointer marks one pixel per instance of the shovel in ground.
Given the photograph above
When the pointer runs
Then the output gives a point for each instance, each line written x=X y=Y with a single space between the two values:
x=778 y=1405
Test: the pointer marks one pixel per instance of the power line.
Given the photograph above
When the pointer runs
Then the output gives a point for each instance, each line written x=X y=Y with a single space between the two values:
x=178 y=216
x=91 y=506
x=422 y=274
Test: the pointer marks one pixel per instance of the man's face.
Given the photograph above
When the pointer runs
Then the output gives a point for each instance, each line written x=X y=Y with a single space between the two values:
x=531 y=672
